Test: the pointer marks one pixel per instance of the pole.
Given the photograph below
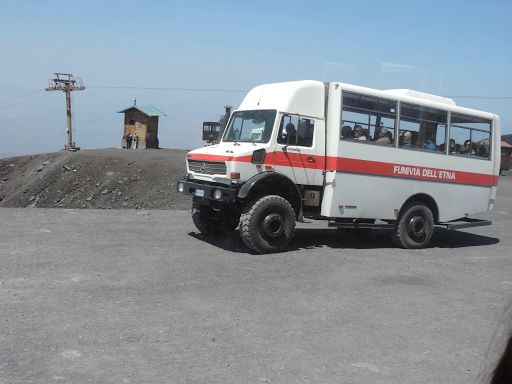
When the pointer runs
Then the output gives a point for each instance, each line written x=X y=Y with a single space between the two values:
x=224 y=121
x=68 y=111
x=67 y=83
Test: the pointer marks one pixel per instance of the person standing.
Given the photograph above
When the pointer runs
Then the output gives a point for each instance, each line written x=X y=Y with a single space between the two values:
x=135 y=140
x=128 y=140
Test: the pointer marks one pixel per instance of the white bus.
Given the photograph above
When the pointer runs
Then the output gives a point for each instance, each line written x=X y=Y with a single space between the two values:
x=356 y=157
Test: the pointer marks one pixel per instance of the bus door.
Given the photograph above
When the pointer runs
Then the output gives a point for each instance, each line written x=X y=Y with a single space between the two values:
x=299 y=150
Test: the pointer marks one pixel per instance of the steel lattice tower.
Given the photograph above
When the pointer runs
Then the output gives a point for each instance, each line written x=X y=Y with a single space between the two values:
x=66 y=82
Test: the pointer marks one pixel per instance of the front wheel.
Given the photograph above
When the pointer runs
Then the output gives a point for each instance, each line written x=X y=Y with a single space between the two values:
x=267 y=224
x=414 y=226
x=212 y=222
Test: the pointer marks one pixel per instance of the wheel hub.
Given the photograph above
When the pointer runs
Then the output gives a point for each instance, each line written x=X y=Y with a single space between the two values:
x=273 y=225
x=417 y=225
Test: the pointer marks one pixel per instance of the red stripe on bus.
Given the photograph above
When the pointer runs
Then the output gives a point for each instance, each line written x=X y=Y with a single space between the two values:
x=289 y=159
x=409 y=171
x=285 y=159
x=342 y=164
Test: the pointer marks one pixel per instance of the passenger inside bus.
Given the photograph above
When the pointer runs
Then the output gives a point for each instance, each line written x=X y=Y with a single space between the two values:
x=383 y=137
x=452 y=146
x=481 y=151
x=346 y=132
x=430 y=145
x=468 y=148
x=407 y=140
x=358 y=133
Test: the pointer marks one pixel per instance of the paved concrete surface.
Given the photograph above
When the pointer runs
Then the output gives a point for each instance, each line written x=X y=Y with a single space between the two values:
x=93 y=296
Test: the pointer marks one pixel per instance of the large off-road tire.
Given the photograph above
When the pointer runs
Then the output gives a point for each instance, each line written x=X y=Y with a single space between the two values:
x=212 y=222
x=414 y=226
x=267 y=224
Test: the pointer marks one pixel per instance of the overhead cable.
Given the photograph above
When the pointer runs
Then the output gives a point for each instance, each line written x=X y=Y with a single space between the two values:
x=212 y=90
x=172 y=89
x=24 y=101
x=481 y=97
x=26 y=94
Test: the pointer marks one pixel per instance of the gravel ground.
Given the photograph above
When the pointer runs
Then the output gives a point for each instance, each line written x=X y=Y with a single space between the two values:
x=139 y=296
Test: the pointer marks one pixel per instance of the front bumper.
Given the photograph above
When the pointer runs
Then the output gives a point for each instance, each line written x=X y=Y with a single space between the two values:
x=206 y=191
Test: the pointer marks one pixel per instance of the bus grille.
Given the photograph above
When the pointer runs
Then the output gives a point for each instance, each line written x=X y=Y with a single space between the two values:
x=207 y=167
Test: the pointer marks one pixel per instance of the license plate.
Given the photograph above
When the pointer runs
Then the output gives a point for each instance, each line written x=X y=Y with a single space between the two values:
x=199 y=192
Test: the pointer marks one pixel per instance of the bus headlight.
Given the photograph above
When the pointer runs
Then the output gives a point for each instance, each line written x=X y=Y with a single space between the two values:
x=217 y=194
x=181 y=186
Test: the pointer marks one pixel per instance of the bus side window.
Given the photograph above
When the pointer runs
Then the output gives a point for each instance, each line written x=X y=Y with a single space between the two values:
x=287 y=134
x=305 y=132
x=281 y=135
x=384 y=132
x=370 y=114
x=422 y=127
x=409 y=132
x=471 y=135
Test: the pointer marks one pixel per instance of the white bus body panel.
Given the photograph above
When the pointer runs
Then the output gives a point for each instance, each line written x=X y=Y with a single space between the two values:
x=298 y=97
x=497 y=157
x=236 y=157
x=359 y=192
x=303 y=165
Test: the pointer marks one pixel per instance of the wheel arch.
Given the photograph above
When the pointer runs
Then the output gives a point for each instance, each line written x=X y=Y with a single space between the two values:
x=272 y=183
x=427 y=200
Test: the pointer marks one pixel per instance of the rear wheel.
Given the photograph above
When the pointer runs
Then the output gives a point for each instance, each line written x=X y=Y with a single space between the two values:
x=212 y=222
x=414 y=226
x=267 y=224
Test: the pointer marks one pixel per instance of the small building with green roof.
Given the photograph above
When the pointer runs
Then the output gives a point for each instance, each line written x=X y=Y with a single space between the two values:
x=142 y=120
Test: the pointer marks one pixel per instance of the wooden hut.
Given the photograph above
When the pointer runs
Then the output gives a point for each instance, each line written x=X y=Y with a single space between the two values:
x=142 y=120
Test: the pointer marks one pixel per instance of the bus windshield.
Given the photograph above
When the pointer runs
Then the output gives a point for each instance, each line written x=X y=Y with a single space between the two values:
x=250 y=126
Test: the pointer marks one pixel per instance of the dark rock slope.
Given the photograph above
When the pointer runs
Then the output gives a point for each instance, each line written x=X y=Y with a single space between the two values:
x=103 y=178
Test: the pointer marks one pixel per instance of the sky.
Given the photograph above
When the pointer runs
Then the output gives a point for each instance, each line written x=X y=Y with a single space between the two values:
x=449 y=48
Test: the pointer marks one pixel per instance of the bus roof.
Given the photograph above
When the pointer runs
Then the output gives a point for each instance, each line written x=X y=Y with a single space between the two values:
x=307 y=96
x=421 y=95
x=415 y=97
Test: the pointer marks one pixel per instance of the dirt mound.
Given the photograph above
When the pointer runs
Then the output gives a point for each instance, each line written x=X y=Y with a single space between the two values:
x=103 y=178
